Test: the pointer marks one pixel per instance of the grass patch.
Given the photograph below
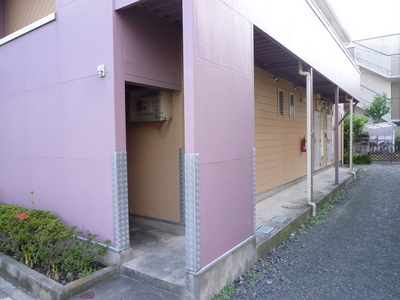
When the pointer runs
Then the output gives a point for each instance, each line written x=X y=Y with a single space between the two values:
x=319 y=218
x=253 y=274
x=226 y=292
x=322 y=214
x=250 y=278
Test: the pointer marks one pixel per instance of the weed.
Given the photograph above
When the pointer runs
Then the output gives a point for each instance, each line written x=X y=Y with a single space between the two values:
x=271 y=268
x=253 y=274
x=252 y=283
x=226 y=292
x=340 y=194
x=338 y=197
x=319 y=218
x=303 y=230
x=88 y=271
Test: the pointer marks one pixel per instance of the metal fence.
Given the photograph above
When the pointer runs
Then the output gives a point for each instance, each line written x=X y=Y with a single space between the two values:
x=384 y=150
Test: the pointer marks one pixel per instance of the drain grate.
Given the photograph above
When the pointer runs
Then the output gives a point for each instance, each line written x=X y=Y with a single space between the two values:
x=87 y=295
x=265 y=229
x=279 y=219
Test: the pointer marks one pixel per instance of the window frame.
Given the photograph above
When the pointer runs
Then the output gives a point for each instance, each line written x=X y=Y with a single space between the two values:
x=292 y=106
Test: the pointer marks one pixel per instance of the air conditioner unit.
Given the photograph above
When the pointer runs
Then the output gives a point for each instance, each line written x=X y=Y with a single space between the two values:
x=148 y=106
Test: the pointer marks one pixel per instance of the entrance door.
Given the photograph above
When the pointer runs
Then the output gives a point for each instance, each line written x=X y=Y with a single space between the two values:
x=329 y=140
x=317 y=140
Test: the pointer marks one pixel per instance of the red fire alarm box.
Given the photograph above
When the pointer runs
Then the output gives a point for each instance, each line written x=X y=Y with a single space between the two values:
x=304 y=145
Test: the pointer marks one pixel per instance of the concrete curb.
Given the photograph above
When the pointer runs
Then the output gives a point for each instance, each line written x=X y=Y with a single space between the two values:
x=276 y=238
x=46 y=288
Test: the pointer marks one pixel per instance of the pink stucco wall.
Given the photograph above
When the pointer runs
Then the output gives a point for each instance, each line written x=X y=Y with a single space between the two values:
x=148 y=55
x=151 y=53
x=219 y=110
x=57 y=117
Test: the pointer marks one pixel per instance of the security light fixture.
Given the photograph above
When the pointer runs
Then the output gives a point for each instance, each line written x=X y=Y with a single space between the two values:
x=101 y=71
x=276 y=79
x=296 y=87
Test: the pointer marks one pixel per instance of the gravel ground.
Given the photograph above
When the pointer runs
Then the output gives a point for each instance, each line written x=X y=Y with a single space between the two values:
x=353 y=254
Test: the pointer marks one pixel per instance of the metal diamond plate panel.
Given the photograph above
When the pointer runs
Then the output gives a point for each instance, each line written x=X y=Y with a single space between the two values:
x=192 y=212
x=120 y=199
x=254 y=189
x=182 y=185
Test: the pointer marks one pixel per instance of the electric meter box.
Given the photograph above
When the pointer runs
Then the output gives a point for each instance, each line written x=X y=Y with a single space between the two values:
x=148 y=106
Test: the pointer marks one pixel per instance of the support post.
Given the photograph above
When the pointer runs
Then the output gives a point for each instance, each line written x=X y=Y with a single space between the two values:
x=337 y=135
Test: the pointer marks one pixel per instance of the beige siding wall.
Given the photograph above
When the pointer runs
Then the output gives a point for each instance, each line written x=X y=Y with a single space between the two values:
x=153 y=165
x=278 y=139
x=20 y=13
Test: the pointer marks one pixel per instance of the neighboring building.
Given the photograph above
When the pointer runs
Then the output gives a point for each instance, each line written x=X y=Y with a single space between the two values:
x=83 y=85
x=379 y=61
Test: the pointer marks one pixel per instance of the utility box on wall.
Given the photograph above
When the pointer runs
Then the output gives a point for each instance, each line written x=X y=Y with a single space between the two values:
x=148 y=106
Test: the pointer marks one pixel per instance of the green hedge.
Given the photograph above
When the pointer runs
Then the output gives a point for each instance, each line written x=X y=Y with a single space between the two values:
x=361 y=159
x=39 y=239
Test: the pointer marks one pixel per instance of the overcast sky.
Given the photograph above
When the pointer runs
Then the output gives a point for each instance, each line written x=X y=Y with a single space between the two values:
x=368 y=18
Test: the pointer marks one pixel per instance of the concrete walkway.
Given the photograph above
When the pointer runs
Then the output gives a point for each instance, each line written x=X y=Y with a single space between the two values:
x=9 y=291
x=278 y=215
x=283 y=212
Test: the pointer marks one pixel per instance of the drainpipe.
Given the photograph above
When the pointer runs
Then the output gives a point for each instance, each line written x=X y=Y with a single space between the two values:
x=309 y=137
x=351 y=137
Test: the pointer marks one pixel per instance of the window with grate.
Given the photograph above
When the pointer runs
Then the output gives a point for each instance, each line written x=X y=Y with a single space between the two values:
x=281 y=103
x=291 y=105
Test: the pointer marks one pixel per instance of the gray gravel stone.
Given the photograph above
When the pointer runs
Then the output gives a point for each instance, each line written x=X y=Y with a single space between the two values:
x=354 y=254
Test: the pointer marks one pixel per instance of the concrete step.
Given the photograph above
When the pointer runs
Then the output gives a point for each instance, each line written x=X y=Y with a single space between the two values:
x=159 y=256
x=153 y=279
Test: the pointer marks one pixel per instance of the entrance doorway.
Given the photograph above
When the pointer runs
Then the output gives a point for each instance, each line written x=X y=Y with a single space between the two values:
x=317 y=140
x=154 y=138
x=329 y=140
x=155 y=198
x=151 y=60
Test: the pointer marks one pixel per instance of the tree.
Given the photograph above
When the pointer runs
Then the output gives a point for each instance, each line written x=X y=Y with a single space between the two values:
x=378 y=108
x=358 y=126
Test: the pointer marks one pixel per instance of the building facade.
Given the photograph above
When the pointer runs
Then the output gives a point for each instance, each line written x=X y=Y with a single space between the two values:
x=379 y=61
x=180 y=112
